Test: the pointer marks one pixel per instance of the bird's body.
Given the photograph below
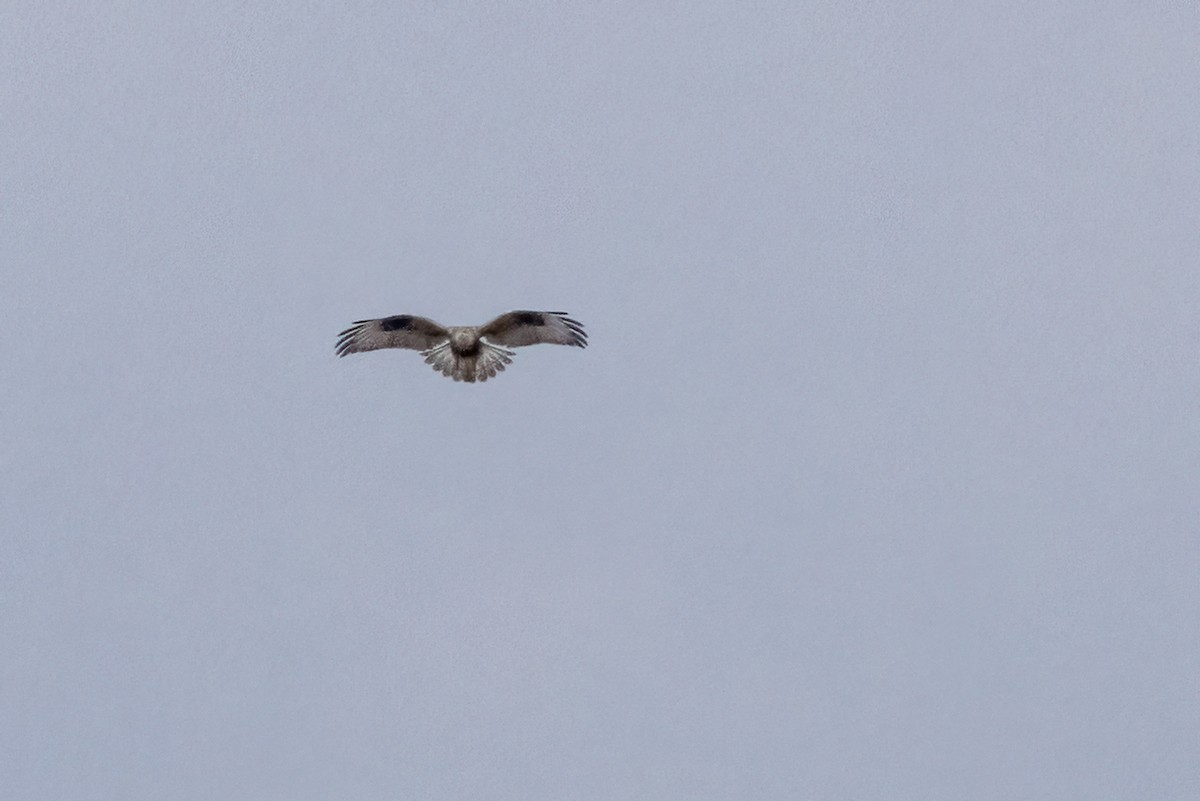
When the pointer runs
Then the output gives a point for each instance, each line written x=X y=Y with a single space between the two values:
x=464 y=353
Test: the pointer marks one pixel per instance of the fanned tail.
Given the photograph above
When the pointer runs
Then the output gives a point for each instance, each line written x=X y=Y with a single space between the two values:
x=485 y=364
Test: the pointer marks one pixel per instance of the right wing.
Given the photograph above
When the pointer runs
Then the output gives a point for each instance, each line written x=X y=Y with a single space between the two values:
x=518 y=328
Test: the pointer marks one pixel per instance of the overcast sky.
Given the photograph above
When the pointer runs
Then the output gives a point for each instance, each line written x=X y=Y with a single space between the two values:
x=879 y=480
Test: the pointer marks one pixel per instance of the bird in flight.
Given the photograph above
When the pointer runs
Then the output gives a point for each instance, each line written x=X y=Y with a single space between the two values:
x=464 y=353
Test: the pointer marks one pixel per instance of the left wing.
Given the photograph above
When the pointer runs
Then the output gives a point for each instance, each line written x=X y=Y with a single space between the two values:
x=398 y=331
x=519 y=328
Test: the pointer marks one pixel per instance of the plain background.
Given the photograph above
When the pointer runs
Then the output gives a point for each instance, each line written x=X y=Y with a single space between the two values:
x=880 y=479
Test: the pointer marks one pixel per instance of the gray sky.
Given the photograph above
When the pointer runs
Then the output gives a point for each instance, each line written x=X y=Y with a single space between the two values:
x=880 y=479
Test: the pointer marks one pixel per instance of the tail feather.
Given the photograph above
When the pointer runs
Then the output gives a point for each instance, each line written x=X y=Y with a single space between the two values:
x=489 y=361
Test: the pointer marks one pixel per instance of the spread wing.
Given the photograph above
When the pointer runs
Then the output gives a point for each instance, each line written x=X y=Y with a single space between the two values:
x=519 y=328
x=400 y=331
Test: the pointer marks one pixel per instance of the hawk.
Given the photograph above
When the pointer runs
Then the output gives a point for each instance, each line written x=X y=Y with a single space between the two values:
x=464 y=353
